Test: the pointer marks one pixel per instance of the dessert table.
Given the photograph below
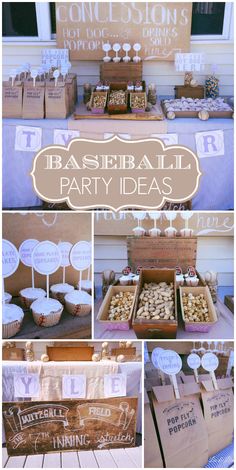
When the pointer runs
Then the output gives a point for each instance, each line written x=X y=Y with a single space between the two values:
x=224 y=328
x=216 y=185
x=51 y=378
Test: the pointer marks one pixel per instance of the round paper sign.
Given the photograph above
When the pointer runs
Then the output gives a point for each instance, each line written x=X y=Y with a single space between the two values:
x=155 y=354
x=46 y=258
x=169 y=362
x=193 y=361
x=65 y=248
x=25 y=251
x=210 y=362
x=80 y=255
x=10 y=258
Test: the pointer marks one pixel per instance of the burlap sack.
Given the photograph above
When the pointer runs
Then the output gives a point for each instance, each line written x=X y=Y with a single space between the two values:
x=56 y=101
x=12 y=100
x=218 y=409
x=152 y=452
x=33 y=100
x=181 y=426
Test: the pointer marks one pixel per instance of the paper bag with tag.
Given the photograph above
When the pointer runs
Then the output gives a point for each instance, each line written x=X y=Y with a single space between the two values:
x=152 y=452
x=56 y=100
x=181 y=426
x=218 y=409
x=33 y=100
x=12 y=100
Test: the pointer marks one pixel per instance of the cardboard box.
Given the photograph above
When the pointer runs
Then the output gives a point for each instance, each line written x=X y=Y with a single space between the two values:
x=201 y=327
x=155 y=329
x=103 y=311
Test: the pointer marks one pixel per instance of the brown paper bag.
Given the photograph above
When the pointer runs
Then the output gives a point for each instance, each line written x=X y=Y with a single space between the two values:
x=56 y=101
x=33 y=100
x=181 y=426
x=12 y=100
x=152 y=452
x=218 y=409
x=73 y=76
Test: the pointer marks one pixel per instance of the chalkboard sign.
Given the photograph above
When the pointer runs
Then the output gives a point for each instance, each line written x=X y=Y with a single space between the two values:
x=162 y=29
x=58 y=426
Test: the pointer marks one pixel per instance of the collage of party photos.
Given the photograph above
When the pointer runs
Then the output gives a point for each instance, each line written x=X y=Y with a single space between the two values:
x=117 y=235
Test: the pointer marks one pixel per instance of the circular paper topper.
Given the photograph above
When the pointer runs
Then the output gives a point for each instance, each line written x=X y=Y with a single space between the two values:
x=80 y=255
x=65 y=248
x=193 y=361
x=155 y=355
x=210 y=362
x=10 y=258
x=46 y=258
x=169 y=362
x=26 y=249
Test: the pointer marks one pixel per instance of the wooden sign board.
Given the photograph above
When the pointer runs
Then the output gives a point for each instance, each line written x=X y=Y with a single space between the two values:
x=162 y=29
x=59 y=426
x=70 y=353
x=161 y=252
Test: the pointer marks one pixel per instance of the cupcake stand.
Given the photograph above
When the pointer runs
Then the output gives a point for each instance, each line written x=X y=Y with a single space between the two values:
x=59 y=311
x=74 y=383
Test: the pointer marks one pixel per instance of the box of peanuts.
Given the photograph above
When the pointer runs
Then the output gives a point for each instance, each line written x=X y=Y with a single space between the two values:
x=155 y=310
x=117 y=307
x=197 y=309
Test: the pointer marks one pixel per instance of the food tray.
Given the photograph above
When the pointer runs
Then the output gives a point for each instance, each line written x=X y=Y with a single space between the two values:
x=98 y=110
x=194 y=114
x=139 y=93
x=123 y=325
x=200 y=327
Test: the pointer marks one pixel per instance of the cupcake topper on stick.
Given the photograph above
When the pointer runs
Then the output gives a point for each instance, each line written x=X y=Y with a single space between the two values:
x=137 y=48
x=13 y=74
x=155 y=355
x=56 y=75
x=171 y=363
x=10 y=261
x=186 y=215
x=25 y=253
x=116 y=48
x=170 y=215
x=154 y=215
x=194 y=362
x=210 y=362
x=106 y=48
x=80 y=257
x=65 y=248
x=46 y=259
x=34 y=74
x=139 y=215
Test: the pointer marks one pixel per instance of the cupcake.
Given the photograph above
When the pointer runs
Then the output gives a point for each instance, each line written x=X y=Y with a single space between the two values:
x=135 y=279
x=7 y=298
x=59 y=291
x=139 y=231
x=154 y=232
x=85 y=285
x=170 y=232
x=191 y=281
x=186 y=232
x=12 y=318
x=46 y=312
x=28 y=295
x=78 y=303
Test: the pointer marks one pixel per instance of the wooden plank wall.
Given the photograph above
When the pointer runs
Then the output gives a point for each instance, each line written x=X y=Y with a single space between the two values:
x=214 y=253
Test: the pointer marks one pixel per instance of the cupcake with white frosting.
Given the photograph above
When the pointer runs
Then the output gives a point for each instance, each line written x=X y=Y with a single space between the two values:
x=59 y=291
x=12 y=318
x=85 y=285
x=46 y=312
x=6 y=298
x=170 y=232
x=29 y=295
x=78 y=303
x=139 y=231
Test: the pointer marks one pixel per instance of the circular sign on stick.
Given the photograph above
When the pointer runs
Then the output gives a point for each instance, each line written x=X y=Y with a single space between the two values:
x=170 y=362
x=25 y=251
x=193 y=361
x=65 y=248
x=46 y=258
x=10 y=258
x=155 y=354
x=80 y=255
x=210 y=362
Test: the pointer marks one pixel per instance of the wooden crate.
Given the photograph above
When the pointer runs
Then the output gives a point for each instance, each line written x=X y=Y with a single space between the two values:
x=155 y=329
x=229 y=302
x=189 y=91
x=103 y=311
x=13 y=354
x=118 y=108
x=125 y=351
x=113 y=72
x=70 y=353
x=161 y=252
x=138 y=93
x=200 y=327
x=93 y=108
